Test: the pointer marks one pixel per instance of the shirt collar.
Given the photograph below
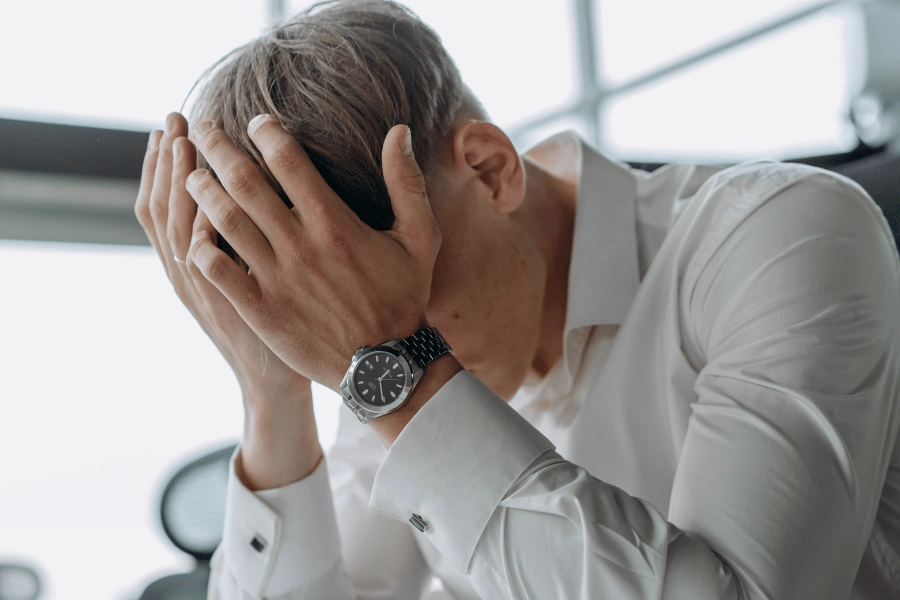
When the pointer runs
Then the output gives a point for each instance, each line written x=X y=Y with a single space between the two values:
x=603 y=272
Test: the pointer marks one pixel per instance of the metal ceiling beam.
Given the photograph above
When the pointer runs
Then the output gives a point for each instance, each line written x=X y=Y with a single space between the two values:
x=277 y=10
x=71 y=149
x=68 y=183
x=588 y=60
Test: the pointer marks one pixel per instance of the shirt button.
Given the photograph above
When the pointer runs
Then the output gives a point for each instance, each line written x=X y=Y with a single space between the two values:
x=418 y=522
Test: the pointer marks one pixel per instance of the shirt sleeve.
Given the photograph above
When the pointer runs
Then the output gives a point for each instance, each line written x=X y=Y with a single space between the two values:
x=780 y=474
x=317 y=538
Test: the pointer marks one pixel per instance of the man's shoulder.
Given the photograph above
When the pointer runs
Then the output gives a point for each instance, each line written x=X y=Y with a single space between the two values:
x=726 y=201
x=750 y=184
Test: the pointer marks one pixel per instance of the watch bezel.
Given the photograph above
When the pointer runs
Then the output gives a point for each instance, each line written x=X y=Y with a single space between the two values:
x=350 y=380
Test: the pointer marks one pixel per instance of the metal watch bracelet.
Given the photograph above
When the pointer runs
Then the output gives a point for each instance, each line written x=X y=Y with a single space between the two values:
x=419 y=349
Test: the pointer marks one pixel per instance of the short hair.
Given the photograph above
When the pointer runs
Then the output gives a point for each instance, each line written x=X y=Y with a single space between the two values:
x=338 y=76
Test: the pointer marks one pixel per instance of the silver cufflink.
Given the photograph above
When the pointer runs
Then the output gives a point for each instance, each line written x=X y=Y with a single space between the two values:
x=257 y=543
x=418 y=522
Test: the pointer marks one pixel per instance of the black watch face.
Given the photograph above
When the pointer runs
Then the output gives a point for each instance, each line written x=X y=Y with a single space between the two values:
x=379 y=378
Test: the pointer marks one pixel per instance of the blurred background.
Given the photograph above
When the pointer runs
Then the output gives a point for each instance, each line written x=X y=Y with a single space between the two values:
x=107 y=385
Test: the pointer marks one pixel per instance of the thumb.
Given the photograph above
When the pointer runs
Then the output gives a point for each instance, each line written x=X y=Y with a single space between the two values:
x=406 y=186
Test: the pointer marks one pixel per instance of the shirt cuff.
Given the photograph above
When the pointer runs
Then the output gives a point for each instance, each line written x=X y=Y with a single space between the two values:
x=454 y=462
x=280 y=539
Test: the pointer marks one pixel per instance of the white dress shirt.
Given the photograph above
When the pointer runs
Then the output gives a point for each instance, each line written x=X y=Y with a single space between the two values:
x=722 y=424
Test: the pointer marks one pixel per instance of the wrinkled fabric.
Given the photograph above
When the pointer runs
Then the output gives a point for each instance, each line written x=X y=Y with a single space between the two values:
x=722 y=424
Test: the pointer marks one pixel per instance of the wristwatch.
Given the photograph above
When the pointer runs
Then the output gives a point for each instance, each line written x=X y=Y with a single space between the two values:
x=381 y=378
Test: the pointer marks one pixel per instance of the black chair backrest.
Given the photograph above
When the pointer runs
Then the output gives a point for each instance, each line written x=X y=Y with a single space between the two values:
x=19 y=582
x=880 y=176
x=192 y=508
x=192 y=512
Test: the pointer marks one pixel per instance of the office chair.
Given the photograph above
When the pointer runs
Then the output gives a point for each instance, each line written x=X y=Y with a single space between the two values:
x=192 y=513
x=879 y=175
x=19 y=582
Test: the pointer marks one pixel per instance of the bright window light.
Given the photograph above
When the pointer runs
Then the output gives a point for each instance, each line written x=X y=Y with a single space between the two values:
x=113 y=63
x=517 y=56
x=785 y=95
x=637 y=36
x=108 y=384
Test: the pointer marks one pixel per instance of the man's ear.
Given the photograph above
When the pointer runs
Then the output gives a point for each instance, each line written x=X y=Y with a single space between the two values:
x=483 y=150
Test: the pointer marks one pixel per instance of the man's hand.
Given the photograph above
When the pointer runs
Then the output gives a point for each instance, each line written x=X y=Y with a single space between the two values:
x=321 y=284
x=279 y=420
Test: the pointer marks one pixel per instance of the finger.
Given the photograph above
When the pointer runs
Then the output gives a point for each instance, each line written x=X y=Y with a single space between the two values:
x=159 y=196
x=218 y=269
x=228 y=218
x=148 y=171
x=182 y=208
x=162 y=181
x=413 y=218
x=244 y=181
x=291 y=166
x=202 y=227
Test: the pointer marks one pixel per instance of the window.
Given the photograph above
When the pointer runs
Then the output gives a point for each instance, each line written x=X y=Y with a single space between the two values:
x=712 y=81
x=518 y=59
x=113 y=63
x=784 y=95
x=108 y=384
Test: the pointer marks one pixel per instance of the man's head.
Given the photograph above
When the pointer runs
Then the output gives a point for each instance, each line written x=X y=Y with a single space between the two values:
x=338 y=76
x=341 y=74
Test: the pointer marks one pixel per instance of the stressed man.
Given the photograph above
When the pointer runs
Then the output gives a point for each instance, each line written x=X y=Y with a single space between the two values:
x=678 y=385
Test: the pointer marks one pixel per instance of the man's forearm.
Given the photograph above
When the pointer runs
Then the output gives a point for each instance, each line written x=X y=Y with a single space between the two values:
x=280 y=443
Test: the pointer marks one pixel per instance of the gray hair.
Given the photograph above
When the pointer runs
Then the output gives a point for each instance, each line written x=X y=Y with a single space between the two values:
x=338 y=76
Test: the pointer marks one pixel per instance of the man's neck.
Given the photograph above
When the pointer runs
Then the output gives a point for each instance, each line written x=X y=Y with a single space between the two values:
x=552 y=201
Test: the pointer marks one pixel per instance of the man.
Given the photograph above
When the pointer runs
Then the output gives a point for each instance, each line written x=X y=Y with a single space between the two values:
x=701 y=366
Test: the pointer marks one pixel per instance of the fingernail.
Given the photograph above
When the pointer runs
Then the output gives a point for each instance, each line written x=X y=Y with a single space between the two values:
x=170 y=122
x=194 y=178
x=204 y=126
x=256 y=121
x=406 y=147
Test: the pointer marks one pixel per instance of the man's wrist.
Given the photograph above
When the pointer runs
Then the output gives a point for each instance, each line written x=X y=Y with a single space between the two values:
x=437 y=373
x=280 y=443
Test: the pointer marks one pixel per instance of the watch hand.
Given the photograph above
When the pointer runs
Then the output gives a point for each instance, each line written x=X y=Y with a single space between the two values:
x=386 y=371
x=380 y=387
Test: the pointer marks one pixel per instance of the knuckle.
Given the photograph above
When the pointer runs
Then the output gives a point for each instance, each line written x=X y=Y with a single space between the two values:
x=213 y=140
x=284 y=157
x=228 y=218
x=335 y=237
x=241 y=179
x=142 y=212
x=192 y=268
x=165 y=149
x=413 y=183
x=158 y=211
x=217 y=267
x=258 y=305
x=172 y=235
x=306 y=256
x=203 y=184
